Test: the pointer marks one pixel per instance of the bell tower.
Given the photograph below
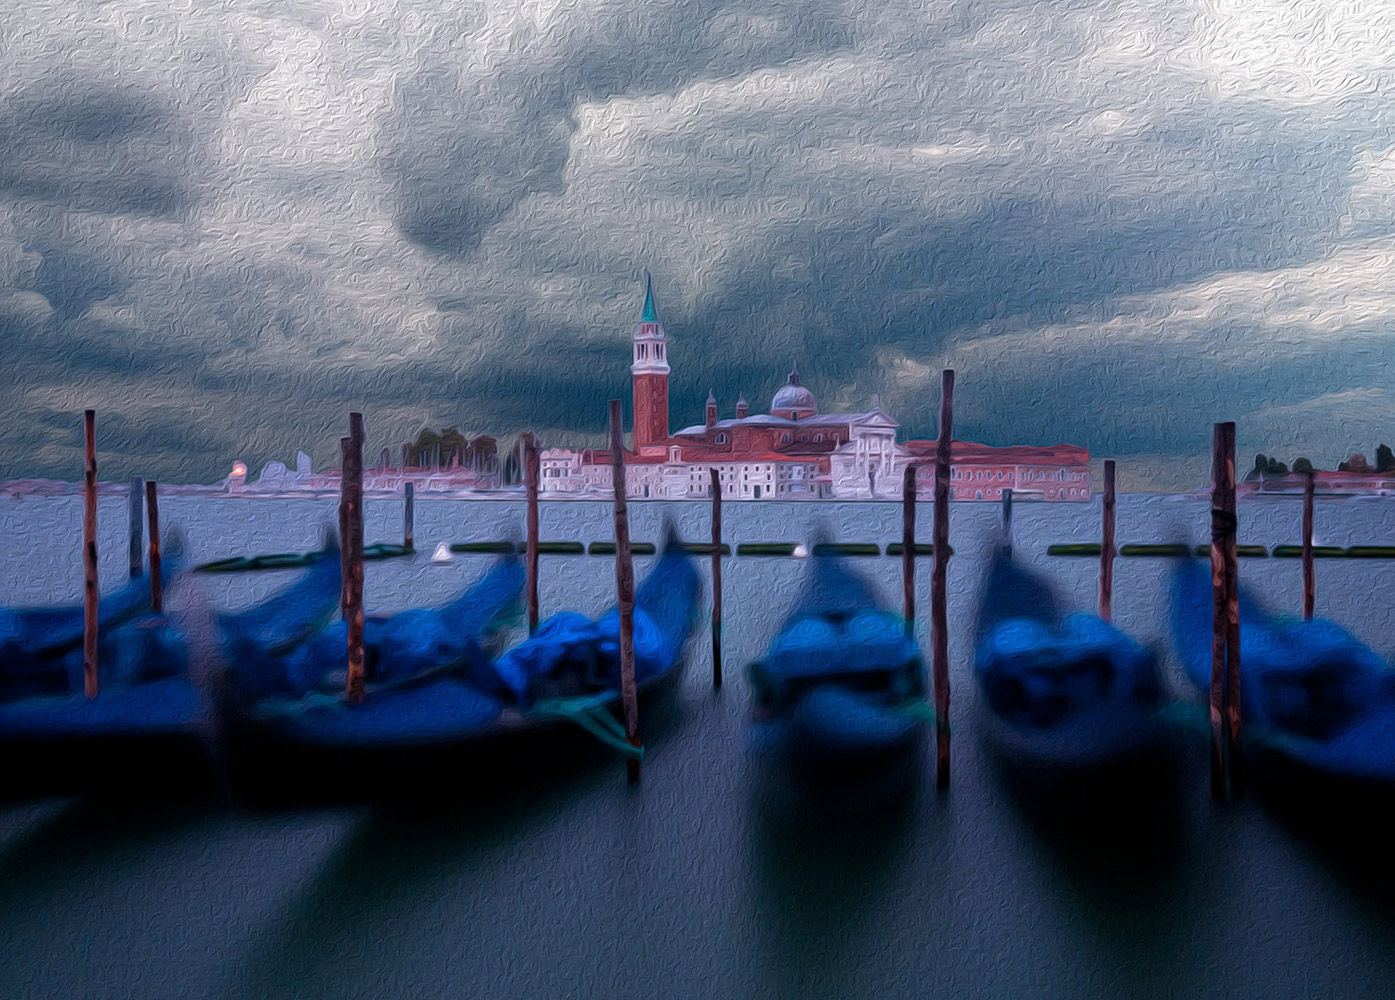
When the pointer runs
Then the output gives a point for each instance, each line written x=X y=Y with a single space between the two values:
x=649 y=375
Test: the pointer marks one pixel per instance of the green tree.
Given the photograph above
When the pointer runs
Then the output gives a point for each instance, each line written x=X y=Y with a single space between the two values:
x=1385 y=459
x=1302 y=466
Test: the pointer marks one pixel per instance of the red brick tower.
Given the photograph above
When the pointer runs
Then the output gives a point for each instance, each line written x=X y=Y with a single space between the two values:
x=649 y=373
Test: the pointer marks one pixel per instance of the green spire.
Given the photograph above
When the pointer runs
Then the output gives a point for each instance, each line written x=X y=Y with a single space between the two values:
x=649 y=316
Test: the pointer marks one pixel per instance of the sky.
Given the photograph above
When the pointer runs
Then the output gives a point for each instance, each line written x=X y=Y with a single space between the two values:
x=225 y=225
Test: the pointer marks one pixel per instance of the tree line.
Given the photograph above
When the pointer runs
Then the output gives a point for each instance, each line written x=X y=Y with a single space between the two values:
x=1268 y=465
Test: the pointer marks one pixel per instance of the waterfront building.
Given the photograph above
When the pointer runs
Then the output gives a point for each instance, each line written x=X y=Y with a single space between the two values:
x=792 y=452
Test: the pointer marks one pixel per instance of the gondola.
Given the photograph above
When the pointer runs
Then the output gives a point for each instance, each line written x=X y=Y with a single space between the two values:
x=1059 y=690
x=1312 y=695
x=147 y=725
x=41 y=649
x=433 y=712
x=840 y=711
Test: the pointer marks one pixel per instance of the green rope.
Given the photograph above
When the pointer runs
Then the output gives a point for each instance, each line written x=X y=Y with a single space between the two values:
x=590 y=713
x=919 y=710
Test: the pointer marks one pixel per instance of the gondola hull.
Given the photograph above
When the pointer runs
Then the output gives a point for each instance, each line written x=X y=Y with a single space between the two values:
x=437 y=762
x=841 y=720
x=1316 y=703
x=547 y=703
x=146 y=739
x=1064 y=693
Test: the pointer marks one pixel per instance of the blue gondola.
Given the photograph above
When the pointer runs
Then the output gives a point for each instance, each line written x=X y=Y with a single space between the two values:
x=1311 y=693
x=436 y=690
x=148 y=715
x=1059 y=690
x=840 y=696
x=41 y=649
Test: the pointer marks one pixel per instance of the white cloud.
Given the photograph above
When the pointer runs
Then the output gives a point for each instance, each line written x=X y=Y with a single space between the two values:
x=1296 y=52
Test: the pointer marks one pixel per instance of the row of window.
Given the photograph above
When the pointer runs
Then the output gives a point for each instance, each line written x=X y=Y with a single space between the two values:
x=1003 y=475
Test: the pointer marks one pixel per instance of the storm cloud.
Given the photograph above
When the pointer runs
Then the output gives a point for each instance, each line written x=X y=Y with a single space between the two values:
x=225 y=226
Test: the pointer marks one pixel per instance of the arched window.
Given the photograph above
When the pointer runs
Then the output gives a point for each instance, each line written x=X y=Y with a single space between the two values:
x=721 y=439
x=818 y=438
x=786 y=438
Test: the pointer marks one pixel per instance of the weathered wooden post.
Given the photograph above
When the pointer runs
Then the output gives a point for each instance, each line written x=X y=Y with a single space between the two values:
x=1107 y=545
x=1225 y=624
x=1007 y=517
x=908 y=548
x=134 y=519
x=530 y=483
x=351 y=552
x=716 y=579
x=625 y=589
x=408 y=531
x=1309 y=577
x=89 y=554
x=157 y=586
x=939 y=618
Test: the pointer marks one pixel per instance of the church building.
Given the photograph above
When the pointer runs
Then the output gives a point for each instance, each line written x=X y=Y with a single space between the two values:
x=793 y=452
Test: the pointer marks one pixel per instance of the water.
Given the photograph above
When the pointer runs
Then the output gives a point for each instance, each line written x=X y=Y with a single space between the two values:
x=690 y=885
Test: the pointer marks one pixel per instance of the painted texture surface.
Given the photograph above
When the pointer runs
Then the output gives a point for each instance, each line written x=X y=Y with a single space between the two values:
x=696 y=884
x=222 y=225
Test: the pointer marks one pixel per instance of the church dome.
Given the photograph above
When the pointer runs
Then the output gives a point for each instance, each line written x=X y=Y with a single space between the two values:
x=793 y=399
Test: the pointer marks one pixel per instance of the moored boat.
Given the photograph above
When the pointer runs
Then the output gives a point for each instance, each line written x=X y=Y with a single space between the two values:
x=1312 y=694
x=434 y=708
x=147 y=726
x=840 y=695
x=1056 y=689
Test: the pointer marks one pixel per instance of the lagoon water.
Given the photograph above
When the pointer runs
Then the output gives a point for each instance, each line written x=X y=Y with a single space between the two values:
x=691 y=885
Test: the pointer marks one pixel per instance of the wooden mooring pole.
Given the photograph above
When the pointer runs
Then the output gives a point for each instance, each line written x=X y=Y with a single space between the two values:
x=408 y=529
x=939 y=622
x=908 y=549
x=89 y=554
x=1225 y=617
x=134 y=526
x=716 y=579
x=351 y=503
x=530 y=483
x=1007 y=517
x=152 y=511
x=625 y=589
x=1107 y=545
x=1309 y=577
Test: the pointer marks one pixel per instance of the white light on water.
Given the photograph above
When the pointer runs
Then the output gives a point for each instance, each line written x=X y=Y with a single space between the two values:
x=442 y=554
x=801 y=551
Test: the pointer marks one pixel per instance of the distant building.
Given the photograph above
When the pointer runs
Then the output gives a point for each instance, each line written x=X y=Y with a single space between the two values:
x=793 y=452
x=429 y=477
x=1329 y=483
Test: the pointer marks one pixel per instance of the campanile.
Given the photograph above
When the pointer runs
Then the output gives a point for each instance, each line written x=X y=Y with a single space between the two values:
x=649 y=374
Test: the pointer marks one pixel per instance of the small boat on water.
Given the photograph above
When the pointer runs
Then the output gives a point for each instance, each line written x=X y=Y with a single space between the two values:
x=434 y=694
x=41 y=649
x=1068 y=691
x=147 y=724
x=840 y=696
x=1312 y=695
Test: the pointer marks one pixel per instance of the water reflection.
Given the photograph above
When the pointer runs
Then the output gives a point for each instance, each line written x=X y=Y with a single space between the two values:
x=822 y=880
x=1344 y=825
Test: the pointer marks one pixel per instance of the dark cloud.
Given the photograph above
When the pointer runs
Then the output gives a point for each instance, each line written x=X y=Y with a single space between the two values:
x=461 y=151
x=72 y=281
x=263 y=222
x=94 y=146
